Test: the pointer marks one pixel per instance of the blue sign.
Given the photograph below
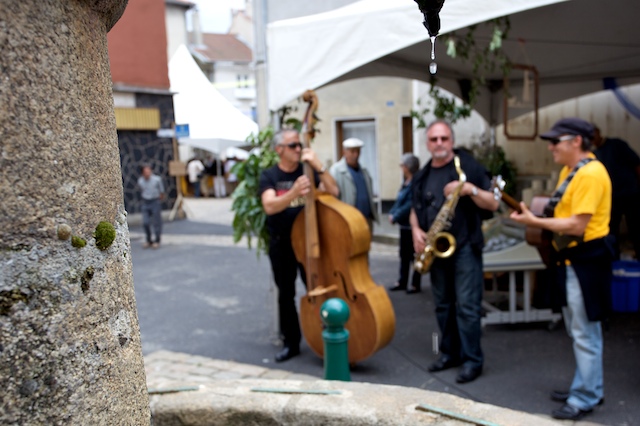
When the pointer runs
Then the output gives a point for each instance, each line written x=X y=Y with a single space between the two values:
x=182 y=130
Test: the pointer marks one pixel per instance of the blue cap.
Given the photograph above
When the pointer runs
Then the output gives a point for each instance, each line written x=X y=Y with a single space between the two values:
x=569 y=126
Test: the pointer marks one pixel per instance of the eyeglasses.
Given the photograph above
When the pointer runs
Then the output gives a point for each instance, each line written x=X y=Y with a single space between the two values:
x=292 y=145
x=434 y=139
x=556 y=141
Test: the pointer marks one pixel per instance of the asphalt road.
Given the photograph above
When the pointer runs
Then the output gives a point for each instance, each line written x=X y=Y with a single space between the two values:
x=201 y=294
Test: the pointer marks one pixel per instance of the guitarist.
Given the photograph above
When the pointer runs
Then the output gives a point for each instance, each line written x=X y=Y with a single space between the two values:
x=282 y=191
x=578 y=215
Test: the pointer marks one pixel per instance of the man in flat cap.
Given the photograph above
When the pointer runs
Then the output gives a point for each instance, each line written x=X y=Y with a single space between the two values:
x=354 y=181
x=578 y=216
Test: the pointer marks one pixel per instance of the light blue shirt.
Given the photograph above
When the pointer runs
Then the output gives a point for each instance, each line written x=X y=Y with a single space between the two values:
x=152 y=188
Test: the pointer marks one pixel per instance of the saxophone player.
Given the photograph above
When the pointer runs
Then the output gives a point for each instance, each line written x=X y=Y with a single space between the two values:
x=457 y=280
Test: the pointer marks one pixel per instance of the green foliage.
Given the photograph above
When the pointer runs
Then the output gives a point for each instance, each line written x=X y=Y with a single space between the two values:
x=249 y=219
x=78 y=242
x=493 y=158
x=484 y=59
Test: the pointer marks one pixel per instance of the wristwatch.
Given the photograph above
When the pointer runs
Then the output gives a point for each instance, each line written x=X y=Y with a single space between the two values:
x=322 y=170
x=474 y=190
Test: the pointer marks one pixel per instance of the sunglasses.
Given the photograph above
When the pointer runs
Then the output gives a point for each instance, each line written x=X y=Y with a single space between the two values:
x=292 y=145
x=434 y=139
x=556 y=141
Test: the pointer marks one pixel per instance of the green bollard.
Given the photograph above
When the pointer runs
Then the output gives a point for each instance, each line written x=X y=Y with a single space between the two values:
x=335 y=313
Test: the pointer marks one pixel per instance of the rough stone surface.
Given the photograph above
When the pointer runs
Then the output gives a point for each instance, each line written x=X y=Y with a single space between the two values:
x=236 y=402
x=69 y=335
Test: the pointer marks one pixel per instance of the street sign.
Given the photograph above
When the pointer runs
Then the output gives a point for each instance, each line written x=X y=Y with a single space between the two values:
x=182 y=130
x=165 y=133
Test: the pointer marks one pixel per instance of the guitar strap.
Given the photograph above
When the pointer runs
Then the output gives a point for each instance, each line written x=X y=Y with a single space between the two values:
x=562 y=241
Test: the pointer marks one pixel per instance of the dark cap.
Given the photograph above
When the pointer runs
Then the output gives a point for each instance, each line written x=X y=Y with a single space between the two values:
x=569 y=126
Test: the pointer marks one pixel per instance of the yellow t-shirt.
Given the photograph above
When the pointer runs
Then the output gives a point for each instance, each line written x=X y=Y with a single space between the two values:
x=589 y=192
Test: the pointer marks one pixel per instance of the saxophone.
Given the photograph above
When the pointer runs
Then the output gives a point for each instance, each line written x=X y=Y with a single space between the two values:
x=440 y=243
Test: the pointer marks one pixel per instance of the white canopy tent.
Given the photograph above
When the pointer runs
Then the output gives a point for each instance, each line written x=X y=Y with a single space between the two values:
x=214 y=123
x=574 y=44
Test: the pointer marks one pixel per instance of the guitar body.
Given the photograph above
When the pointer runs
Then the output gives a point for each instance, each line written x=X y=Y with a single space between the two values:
x=538 y=237
x=342 y=270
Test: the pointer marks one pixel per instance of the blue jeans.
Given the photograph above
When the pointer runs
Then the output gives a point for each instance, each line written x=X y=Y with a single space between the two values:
x=152 y=216
x=457 y=283
x=587 y=386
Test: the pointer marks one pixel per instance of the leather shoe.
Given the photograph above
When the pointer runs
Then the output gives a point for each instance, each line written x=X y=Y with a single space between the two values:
x=286 y=353
x=443 y=363
x=468 y=374
x=397 y=287
x=562 y=396
x=569 y=412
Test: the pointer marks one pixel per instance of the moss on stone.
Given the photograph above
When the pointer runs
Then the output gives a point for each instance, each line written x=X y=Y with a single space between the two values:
x=78 y=242
x=64 y=231
x=105 y=235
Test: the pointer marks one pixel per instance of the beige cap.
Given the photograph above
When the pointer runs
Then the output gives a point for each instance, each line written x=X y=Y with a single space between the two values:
x=352 y=143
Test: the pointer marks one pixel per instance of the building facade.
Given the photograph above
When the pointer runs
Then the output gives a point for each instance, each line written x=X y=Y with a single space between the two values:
x=142 y=98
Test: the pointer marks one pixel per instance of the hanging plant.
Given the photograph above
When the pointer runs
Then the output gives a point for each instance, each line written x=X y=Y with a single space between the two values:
x=484 y=59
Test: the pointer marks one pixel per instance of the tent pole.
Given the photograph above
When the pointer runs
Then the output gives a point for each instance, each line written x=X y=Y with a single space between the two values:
x=178 y=203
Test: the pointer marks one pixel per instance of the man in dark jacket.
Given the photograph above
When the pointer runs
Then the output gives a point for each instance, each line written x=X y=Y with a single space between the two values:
x=456 y=281
x=579 y=214
x=399 y=214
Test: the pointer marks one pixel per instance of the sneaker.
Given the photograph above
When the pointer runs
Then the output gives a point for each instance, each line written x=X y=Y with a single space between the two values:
x=155 y=245
x=146 y=245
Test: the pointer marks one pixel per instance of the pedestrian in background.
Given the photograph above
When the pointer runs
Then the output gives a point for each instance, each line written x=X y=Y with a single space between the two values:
x=399 y=214
x=354 y=181
x=152 y=193
x=231 y=178
x=623 y=165
x=195 y=168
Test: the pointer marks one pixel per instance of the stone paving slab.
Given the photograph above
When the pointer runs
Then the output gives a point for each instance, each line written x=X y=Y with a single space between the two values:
x=166 y=369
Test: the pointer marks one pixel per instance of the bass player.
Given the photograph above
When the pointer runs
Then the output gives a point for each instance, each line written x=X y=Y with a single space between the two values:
x=282 y=190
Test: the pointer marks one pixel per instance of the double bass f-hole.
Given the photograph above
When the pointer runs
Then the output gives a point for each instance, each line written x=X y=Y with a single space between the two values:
x=345 y=287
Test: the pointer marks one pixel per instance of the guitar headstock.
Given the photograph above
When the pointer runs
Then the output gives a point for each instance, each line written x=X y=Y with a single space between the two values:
x=497 y=186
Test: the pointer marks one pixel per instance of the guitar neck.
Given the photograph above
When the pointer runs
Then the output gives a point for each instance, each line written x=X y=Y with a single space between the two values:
x=511 y=202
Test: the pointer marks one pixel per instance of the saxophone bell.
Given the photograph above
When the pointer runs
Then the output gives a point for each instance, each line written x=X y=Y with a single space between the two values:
x=444 y=245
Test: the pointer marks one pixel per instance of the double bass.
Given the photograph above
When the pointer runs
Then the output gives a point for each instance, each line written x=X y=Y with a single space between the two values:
x=332 y=239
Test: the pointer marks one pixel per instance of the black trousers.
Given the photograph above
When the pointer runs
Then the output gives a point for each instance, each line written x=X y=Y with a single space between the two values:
x=285 y=270
x=406 y=259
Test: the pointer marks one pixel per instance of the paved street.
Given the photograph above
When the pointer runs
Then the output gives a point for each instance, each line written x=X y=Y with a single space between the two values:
x=200 y=294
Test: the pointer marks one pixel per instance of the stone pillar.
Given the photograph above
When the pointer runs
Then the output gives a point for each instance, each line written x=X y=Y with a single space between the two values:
x=70 y=349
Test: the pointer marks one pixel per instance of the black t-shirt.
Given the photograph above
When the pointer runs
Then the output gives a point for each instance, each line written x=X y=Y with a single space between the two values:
x=280 y=224
x=428 y=198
